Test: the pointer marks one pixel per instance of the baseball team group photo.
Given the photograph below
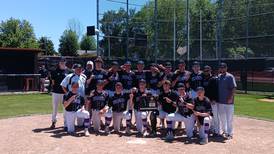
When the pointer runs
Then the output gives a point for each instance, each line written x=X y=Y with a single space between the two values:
x=137 y=76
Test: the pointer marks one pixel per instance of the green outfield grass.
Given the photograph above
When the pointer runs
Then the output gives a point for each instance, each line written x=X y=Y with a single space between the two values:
x=21 y=105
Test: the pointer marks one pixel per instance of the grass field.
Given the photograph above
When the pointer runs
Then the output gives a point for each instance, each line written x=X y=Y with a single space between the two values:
x=20 y=105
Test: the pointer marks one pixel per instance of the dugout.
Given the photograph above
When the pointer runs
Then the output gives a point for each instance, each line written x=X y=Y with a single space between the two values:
x=18 y=66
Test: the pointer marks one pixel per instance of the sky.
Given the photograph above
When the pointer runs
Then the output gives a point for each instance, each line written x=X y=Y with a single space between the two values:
x=50 y=17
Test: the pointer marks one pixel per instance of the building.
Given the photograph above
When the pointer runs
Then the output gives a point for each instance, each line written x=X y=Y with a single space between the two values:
x=17 y=66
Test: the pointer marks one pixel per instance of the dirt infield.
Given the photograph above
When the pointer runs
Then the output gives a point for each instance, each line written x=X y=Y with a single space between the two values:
x=31 y=135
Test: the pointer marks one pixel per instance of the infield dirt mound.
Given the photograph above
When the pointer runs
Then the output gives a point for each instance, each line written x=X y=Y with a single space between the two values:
x=31 y=135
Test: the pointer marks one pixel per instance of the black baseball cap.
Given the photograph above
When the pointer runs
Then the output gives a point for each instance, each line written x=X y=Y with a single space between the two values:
x=153 y=65
x=196 y=63
x=180 y=85
x=75 y=66
x=142 y=81
x=99 y=59
x=140 y=62
x=168 y=64
x=100 y=82
x=114 y=63
x=167 y=82
x=223 y=65
x=200 y=89
x=127 y=63
x=118 y=84
x=181 y=61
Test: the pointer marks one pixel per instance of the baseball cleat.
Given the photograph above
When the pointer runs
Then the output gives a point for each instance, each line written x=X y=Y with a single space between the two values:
x=169 y=136
x=229 y=137
x=52 y=125
x=204 y=141
x=145 y=134
x=86 y=133
x=107 y=130
x=128 y=131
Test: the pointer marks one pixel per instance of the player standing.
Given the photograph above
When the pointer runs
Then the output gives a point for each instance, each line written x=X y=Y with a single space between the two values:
x=196 y=78
x=57 y=92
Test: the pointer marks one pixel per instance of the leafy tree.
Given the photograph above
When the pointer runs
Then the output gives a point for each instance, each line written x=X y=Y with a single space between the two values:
x=47 y=46
x=17 y=34
x=68 y=43
x=88 y=43
x=75 y=26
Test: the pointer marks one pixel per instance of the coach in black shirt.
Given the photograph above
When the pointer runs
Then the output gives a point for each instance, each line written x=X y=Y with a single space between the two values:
x=57 y=92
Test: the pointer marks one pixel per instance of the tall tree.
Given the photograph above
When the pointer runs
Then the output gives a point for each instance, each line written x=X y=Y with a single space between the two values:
x=17 y=34
x=46 y=45
x=68 y=43
x=87 y=43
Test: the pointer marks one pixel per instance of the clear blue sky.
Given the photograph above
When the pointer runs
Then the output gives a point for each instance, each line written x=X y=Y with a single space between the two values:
x=50 y=17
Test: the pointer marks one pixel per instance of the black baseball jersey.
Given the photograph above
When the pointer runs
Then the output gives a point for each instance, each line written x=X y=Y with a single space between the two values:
x=181 y=105
x=58 y=76
x=138 y=98
x=168 y=107
x=195 y=80
x=182 y=77
x=98 y=75
x=76 y=104
x=98 y=100
x=153 y=80
x=202 y=106
x=112 y=78
x=118 y=102
x=87 y=73
x=211 y=90
x=138 y=77
x=127 y=79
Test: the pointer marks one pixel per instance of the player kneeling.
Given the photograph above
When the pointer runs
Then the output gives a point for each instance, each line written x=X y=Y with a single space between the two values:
x=98 y=100
x=202 y=111
x=184 y=114
x=74 y=108
x=118 y=103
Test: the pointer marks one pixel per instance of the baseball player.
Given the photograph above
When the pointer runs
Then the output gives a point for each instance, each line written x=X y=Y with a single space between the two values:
x=112 y=78
x=118 y=104
x=210 y=83
x=181 y=75
x=135 y=101
x=79 y=77
x=153 y=79
x=202 y=111
x=98 y=101
x=98 y=73
x=167 y=100
x=184 y=113
x=196 y=78
x=127 y=78
x=57 y=92
x=139 y=73
x=74 y=108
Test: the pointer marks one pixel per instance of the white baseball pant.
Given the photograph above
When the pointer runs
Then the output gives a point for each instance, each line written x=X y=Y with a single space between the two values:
x=204 y=129
x=118 y=117
x=226 y=112
x=56 y=100
x=71 y=116
x=96 y=118
x=215 y=125
x=141 y=120
x=188 y=121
